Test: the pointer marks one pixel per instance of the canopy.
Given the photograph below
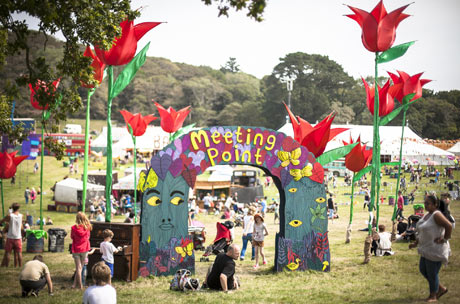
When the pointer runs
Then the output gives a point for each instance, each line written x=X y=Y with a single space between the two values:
x=66 y=190
x=126 y=182
x=455 y=149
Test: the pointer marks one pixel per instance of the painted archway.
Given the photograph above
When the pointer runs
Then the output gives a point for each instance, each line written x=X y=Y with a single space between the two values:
x=302 y=242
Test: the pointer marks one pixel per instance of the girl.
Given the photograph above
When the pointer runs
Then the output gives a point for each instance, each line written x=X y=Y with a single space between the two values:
x=80 y=233
x=33 y=195
x=260 y=231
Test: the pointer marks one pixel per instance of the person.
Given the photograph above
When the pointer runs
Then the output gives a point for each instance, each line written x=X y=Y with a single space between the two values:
x=434 y=231
x=221 y=275
x=331 y=207
x=13 y=237
x=33 y=195
x=92 y=211
x=34 y=276
x=367 y=198
x=84 y=269
x=130 y=218
x=248 y=229
x=49 y=221
x=35 y=167
x=277 y=212
x=108 y=249
x=384 y=242
x=100 y=216
x=399 y=213
x=102 y=292
x=27 y=195
x=263 y=205
x=207 y=202
x=444 y=208
x=80 y=233
x=259 y=233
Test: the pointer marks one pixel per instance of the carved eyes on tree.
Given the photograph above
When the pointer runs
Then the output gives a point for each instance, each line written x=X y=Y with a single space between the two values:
x=320 y=200
x=176 y=200
x=295 y=223
x=293 y=190
x=154 y=201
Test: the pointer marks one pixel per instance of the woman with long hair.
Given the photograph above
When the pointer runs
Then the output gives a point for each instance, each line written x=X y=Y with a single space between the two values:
x=80 y=233
x=434 y=231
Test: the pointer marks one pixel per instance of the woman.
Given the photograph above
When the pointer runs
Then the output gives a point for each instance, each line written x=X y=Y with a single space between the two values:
x=434 y=231
x=80 y=233
x=248 y=228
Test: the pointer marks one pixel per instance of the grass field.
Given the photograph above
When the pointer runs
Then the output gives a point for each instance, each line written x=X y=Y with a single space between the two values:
x=394 y=279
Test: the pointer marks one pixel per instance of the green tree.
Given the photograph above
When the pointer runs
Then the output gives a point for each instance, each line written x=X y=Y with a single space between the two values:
x=255 y=8
x=231 y=66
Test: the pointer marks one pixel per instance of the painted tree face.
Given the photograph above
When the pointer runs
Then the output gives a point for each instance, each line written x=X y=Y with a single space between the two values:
x=164 y=213
x=305 y=208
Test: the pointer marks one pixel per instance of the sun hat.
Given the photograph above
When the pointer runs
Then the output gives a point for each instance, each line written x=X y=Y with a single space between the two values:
x=258 y=216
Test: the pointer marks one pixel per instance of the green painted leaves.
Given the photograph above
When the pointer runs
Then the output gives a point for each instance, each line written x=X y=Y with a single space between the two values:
x=386 y=119
x=318 y=213
x=394 y=53
x=335 y=154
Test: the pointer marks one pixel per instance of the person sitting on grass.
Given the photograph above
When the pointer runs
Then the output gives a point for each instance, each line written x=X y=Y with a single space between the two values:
x=221 y=275
x=34 y=276
x=102 y=292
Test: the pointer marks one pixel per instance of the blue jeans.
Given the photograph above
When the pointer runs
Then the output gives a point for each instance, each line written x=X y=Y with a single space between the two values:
x=430 y=270
x=247 y=238
x=84 y=272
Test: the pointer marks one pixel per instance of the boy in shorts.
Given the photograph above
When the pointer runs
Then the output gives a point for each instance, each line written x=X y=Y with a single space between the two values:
x=108 y=249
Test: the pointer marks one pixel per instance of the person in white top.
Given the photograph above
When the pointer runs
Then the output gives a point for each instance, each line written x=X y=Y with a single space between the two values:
x=248 y=229
x=102 y=292
x=434 y=231
x=108 y=249
x=14 y=237
x=384 y=242
x=260 y=231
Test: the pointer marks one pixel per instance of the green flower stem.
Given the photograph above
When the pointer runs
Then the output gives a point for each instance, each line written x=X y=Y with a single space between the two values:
x=3 y=204
x=108 y=171
x=42 y=150
x=85 y=167
x=352 y=197
x=395 y=208
x=135 y=180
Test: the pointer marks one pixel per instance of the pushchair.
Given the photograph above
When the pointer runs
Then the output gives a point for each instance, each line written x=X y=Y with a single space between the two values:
x=412 y=221
x=198 y=236
x=223 y=239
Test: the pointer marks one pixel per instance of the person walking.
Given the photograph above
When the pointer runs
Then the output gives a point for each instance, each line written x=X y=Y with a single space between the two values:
x=260 y=231
x=14 y=237
x=26 y=195
x=399 y=213
x=80 y=233
x=433 y=233
x=33 y=195
x=248 y=229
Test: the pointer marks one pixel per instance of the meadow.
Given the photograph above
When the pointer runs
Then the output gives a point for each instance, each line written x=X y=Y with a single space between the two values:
x=393 y=279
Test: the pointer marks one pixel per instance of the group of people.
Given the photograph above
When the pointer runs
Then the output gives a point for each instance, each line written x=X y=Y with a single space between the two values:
x=31 y=194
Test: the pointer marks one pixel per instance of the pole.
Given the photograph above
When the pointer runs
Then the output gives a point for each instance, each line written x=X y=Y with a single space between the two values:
x=108 y=171
x=352 y=197
x=135 y=180
x=400 y=163
x=41 y=171
x=85 y=167
x=3 y=204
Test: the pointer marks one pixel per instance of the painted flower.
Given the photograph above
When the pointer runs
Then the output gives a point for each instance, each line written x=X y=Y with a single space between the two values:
x=98 y=68
x=386 y=102
x=171 y=121
x=137 y=122
x=314 y=138
x=41 y=86
x=9 y=163
x=407 y=84
x=378 y=27
x=359 y=157
x=124 y=47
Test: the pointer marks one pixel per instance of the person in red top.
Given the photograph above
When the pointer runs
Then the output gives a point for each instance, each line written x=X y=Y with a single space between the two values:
x=399 y=213
x=80 y=233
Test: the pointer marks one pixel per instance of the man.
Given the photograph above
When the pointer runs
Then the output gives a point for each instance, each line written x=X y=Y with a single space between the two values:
x=14 y=237
x=34 y=276
x=207 y=202
x=26 y=195
x=400 y=205
x=221 y=275
x=331 y=207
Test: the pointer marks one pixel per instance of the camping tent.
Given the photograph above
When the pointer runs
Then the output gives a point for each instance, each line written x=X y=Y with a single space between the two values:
x=66 y=191
x=455 y=149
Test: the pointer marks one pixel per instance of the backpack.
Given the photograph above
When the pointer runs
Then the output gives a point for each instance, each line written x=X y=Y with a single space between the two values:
x=182 y=281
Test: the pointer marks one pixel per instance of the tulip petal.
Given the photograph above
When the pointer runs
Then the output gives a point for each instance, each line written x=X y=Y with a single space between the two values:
x=142 y=28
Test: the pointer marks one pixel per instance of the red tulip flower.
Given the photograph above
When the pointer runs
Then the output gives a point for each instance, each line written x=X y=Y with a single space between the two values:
x=379 y=27
x=314 y=138
x=386 y=101
x=41 y=85
x=359 y=157
x=9 y=163
x=137 y=122
x=171 y=121
x=408 y=84
x=97 y=65
x=124 y=47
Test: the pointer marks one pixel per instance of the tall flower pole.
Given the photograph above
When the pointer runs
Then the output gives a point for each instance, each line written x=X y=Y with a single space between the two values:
x=137 y=125
x=8 y=166
x=98 y=72
x=122 y=52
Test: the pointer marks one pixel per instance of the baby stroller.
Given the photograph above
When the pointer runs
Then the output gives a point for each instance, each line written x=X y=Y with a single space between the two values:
x=412 y=220
x=223 y=239
x=198 y=235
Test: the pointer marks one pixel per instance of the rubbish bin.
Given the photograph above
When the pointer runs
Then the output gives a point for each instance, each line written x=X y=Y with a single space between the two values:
x=406 y=200
x=56 y=239
x=35 y=245
x=391 y=200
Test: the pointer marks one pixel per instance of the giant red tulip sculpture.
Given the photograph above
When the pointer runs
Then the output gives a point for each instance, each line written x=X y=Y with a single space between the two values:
x=172 y=120
x=98 y=74
x=386 y=101
x=378 y=35
x=122 y=52
x=409 y=89
x=136 y=125
x=8 y=164
x=40 y=95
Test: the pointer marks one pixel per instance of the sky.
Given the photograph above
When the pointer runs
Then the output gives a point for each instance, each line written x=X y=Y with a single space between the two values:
x=194 y=34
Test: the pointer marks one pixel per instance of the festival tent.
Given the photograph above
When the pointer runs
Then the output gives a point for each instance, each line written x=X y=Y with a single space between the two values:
x=126 y=182
x=455 y=149
x=415 y=149
x=66 y=191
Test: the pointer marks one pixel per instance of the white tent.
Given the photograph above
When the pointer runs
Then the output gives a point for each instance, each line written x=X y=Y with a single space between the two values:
x=455 y=149
x=66 y=190
x=414 y=147
x=127 y=182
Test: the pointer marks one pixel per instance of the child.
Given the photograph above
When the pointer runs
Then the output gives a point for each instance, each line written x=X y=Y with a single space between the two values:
x=107 y=249
x=102 y=292
x=260 y=231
